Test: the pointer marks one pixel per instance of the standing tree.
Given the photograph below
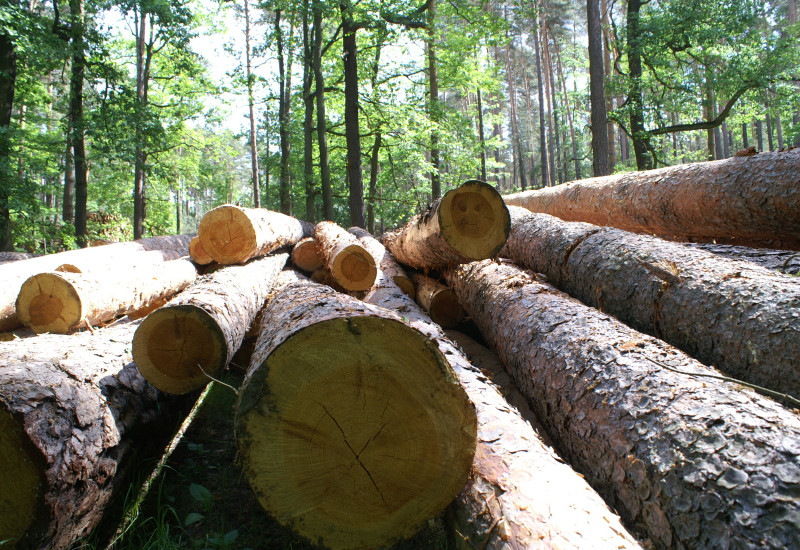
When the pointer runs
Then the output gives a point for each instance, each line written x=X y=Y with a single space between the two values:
x=597 y=95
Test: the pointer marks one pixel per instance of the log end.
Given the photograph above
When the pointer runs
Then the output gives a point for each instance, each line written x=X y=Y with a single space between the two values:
x=306 y=255
x=474 y=220
x=48 y=302
x=227 y=235
x=175 y=345
x=197 y=253
x=354 y=432
x=445 y=309
x=20 y=483
x=354 y=268
x=406 y=285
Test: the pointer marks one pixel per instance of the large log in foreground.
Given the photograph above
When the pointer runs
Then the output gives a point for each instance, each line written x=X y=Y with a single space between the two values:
x=688 y=460
x=520 y=494
x=179 y=346
x=753 y=198
x=351 y=426
x=76 y=422
x=232 y=235
x=468 y=223
x=15 y=273
x=734 y=315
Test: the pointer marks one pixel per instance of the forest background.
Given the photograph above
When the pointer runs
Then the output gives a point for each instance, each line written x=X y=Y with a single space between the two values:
x=113 y=125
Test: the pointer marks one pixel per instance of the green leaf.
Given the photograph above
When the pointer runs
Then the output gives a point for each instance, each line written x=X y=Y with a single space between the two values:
x=230 y=536
x=200 y=493
x=192 y=518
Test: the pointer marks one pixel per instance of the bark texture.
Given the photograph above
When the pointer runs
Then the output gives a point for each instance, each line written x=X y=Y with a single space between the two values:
x=76 y=422
x=14 y=274
x=686 y=460
x=306 y=256
x=520 y=494
x=197 y=334
x=739 y=317
x=351 y=426
x=438 y=301
x=388 y=265
x=784 y=261
x=233 y=235
x=60 y=302
x=351 y=265
x=752 y=198
x=468 y=223
x=15 y=256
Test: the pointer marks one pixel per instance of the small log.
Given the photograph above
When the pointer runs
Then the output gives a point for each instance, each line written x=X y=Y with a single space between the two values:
x=324 y=277
x=753 y=198
x=306 y=255
x=233 y=235
x=77 y=423
x=386 y=262
x=784 y=261
x=192 y=338
x=198 y=253
x=438 y=301
x=687 y=460
x=734 y=315
x=15 y=273
x=351 y=426
x=350 y=264
x=468 y=223
x=60 y=302
x=520 y=494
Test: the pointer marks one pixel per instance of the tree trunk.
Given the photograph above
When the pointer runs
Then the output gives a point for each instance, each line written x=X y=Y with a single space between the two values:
x=62 y=302
x=689 y=461
x=744 y=135
x=516 y=140
x=6 y=257
x=384 y=260
x=671 y=292
x=469 y=223
x=433 y=107
x=308 y=120
x=8 y=79
x=322 y=125
x=370 y=438
x=783 y=261
x=198 y=253
x=140 y=156
x=68 y=202
x=741 y=198
x=351 y=265
x=306 y=255
x=544 y=157
x=567 y=108
x=438 y=301
x=548 y=97
x=480 y=136
x=358 y=216
x=251 y=108
x=609 y=74
x=597 y=91
x=759 y=135
x=233 y=235
x=284 y=99
x=181 y=346
x=78 y=422
x=639 y=135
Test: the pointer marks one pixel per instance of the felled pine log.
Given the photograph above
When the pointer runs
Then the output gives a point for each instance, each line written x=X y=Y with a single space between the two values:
x=198 y=253
x=385 y=261
x=179 y=347
x=61 y=302
x=350 y=264
x=744 y=199
x=306 y=255
x=15 y=256
x=468 y=223
x=688 y=460
x=15 y=273
x=351 y=426
x=77 y=421
x=741 y=318
x=438 y=301
x=520 y=494
x=784 y=261
x=232 y=235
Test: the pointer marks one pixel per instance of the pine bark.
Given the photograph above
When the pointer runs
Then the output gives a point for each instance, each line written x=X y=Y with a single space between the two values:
x=77 y=422
x=783 y=261
x=192 y=338
x=468 y=223
x=16 y=256
x=734 y=315
x=688 y=461
x=345 y=258
x=601 y=165
x=352 y=428
x=388 y=265
x=750 y=199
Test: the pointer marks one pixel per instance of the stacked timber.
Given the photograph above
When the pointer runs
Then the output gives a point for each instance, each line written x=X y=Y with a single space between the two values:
x=438 y=301
x=688 y=460
x=784 y=261
x=77 y=421
x=345 y=258
x=351 y=426
x=306 y=255
x=741 y=200
x=383 y=258
x=198 y=253
x=735 y=315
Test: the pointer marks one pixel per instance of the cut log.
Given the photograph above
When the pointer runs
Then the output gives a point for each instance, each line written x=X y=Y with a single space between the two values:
x=15 y=256
x=784 y=261
x=198 y=253
x=350 y=264
x=61 y=302
x=687 y=460
x=324 y=277
x=746 y=198
x=385 y=261
x=233 y=235
x=306 y=255
x=734 y=315
x=180 y=346
x=15 y=273
x=77 y=423
x=351 y=426
x=519 y=494
x=438 y=301
x=468 y=223
x=145 y=259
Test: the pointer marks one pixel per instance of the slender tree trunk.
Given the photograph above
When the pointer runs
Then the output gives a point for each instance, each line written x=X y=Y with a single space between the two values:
x=284 y=93
x=322 y=125
x=433 y=108
x=548 y=96
x=769 y=126
x=516 y=141
x=139 y=155
x=641 y=140
x=744 y=135
x=608 y=72
x=374 y=161
x=725 y=150
x=250 y=104
x=8 y=78
x=779 y=129
x=78 y=125
x=567 y=108
x=68 y=203
x=759 y=134
x=480 y=136
x=546 y=181
x=308 y=120
x=352 y=132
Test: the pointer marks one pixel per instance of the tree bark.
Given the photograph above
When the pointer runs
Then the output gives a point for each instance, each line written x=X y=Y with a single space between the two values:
x=68 y=202
x=433 y=106
x=369 y=438
x=639 y=135
x=308 y=120
x=597 y=91
x=78 y=422
x=480 y=136
x=179 y=347
x=468 y=223
x=351 y=265
x=8 y=79
x=233 y=235
x=251 y=108
x=734 y=315
x=358 y=215
x=738 y=199
x=16 y=256
x=284 y=99
x=544 y=157
x=322 y=124
x=689 y=461
x=783 y=261
x=306 y=255
x=387 y=263
x=438 y=301
x=140 y=155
